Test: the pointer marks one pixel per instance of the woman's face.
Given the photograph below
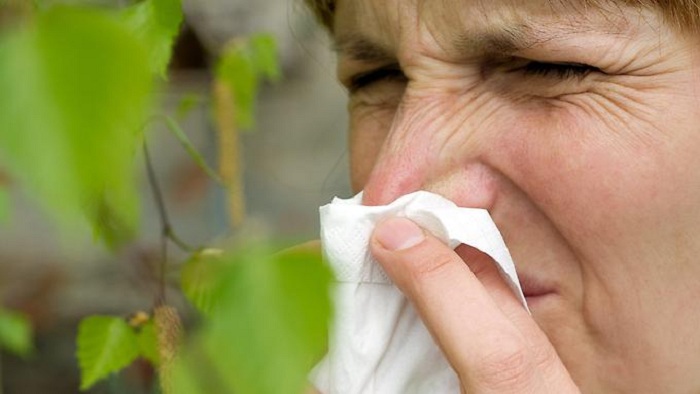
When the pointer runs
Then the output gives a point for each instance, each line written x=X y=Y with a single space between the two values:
x=579 y=130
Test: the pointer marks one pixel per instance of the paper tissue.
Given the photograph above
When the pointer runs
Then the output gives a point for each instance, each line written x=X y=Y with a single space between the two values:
x=378 y=343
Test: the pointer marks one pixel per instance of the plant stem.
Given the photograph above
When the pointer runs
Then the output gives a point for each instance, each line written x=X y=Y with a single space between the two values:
x=165 y=231
x=177 y=241
x=176 y=131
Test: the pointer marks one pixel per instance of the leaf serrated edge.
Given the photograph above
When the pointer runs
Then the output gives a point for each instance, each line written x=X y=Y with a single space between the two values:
x=85 y=341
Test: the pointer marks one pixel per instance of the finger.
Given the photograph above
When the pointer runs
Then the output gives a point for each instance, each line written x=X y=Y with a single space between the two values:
x=489 y=352
x=485 y=270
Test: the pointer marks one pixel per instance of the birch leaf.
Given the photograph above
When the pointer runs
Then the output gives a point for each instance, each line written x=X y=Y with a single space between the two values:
x=105 y=345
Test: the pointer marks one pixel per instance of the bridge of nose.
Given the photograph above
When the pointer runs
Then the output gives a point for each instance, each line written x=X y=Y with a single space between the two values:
x=428 y=150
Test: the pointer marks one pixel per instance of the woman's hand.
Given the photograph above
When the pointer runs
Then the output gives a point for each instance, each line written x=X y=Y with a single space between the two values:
x=490 y=340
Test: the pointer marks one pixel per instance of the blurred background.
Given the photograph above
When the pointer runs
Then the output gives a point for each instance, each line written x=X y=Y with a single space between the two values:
x=295 y=160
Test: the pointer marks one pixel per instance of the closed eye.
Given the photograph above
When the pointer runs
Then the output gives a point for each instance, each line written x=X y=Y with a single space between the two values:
x=558 y=70
x=365 y=79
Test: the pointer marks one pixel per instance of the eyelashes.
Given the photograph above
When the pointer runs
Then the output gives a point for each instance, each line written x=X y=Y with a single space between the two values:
x=560 y=71
x=388 y=73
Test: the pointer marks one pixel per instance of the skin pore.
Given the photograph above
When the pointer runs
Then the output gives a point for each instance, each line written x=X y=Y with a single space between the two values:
x=579 y=130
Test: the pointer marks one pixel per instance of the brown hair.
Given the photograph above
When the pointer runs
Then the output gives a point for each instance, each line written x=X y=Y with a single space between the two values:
x=324 y=11
x=680 y=14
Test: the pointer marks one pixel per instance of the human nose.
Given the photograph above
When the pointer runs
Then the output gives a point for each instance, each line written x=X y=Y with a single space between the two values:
x=437 y=145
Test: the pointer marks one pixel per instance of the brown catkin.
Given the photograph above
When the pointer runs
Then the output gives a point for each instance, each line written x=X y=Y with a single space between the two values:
x=230 y=168
x=169 y=333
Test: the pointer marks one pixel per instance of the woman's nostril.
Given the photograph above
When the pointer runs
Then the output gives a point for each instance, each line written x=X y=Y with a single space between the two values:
x=382 y=189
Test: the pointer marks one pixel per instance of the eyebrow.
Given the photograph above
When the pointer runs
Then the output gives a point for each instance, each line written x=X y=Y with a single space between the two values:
x=504 y=41
x=361 y=48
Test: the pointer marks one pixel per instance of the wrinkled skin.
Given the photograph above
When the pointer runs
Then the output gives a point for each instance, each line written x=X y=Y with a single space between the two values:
x=590 y=172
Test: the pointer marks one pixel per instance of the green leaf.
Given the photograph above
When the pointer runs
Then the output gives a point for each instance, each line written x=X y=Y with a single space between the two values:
x=148 y=343
x=271 y=327
x=200 y=279
x=243 y=66
x=109 y=220
x=184 y=380
x=15 y=333
x=75 y=87
x=187 y=103
x=192 y=374
x=236 y=69
x=263 y=48
x=105 y=345
x=157 y=23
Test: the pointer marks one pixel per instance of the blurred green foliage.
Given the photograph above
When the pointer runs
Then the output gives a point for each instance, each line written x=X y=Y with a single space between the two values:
x=243 y=66
x=75 y=88
x=187 y=103
x=76 y=85
x=156 y=23
x=148 y=343
x=15 y=333
x=268 y=320
x=200 y=279
x=277 y=327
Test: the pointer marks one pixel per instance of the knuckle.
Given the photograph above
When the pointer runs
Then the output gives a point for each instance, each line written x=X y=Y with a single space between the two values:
x=544 y=357
x=507 y=370
x=430 y=266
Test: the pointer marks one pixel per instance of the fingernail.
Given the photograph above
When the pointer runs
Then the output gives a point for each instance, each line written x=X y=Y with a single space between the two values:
x=398 y=234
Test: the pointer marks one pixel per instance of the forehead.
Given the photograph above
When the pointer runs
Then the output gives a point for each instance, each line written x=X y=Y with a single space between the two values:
x=484 y=25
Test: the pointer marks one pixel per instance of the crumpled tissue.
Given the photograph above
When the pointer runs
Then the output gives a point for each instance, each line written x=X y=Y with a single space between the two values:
x=378 y=343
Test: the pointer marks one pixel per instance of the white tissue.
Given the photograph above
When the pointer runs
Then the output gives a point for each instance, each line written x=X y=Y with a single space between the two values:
x=379 y=344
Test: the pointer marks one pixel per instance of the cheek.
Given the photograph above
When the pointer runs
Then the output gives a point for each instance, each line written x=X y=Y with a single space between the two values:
x=580 y=169
x=369 y=127
x=621 y=196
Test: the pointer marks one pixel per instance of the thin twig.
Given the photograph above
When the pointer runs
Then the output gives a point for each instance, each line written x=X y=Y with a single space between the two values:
x=167 y=228
x=178 y=241
x=176 y=131
x=164 y=224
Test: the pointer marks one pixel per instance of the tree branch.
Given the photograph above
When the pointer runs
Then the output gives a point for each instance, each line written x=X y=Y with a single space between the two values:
x=166 y=229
